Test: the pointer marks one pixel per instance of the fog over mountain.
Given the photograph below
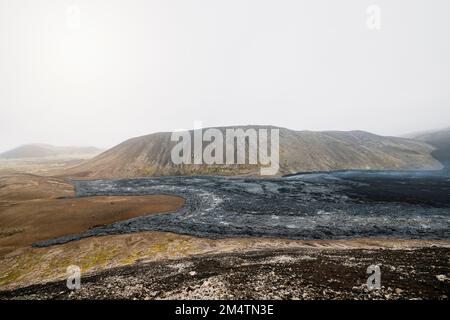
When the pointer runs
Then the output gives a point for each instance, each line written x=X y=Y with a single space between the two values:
x=98 y=72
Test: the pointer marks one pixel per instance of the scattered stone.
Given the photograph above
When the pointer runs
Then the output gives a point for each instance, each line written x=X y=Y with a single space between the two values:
x=259 y=275
x=442 y=277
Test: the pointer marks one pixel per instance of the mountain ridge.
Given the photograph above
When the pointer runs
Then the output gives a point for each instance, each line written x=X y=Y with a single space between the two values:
x=149 y=155
x=440 y=139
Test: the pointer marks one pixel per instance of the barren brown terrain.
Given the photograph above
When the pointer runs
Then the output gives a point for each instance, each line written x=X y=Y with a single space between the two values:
x=41 y=167
x=34 y=208
x=19 y=187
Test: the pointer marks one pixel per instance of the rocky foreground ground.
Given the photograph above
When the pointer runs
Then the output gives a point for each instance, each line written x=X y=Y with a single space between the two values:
x=301 y=273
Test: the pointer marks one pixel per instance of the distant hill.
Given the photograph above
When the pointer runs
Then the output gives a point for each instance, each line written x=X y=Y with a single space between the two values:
x=299 y=151
x=41 y=151
x=440 y=139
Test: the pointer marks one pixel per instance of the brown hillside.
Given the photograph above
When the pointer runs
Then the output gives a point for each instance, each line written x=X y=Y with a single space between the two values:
x=299 y=151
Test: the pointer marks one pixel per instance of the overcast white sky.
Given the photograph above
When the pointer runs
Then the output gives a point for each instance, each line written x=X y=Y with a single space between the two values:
x=134 y=67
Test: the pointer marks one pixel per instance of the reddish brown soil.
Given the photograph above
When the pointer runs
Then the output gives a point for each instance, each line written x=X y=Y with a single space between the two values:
x=31 y=210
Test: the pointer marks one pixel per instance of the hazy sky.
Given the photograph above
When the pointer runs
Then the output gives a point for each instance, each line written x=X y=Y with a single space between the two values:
x=97 y=72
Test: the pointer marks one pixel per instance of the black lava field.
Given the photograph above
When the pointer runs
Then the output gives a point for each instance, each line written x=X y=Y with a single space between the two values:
x=321 y=205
